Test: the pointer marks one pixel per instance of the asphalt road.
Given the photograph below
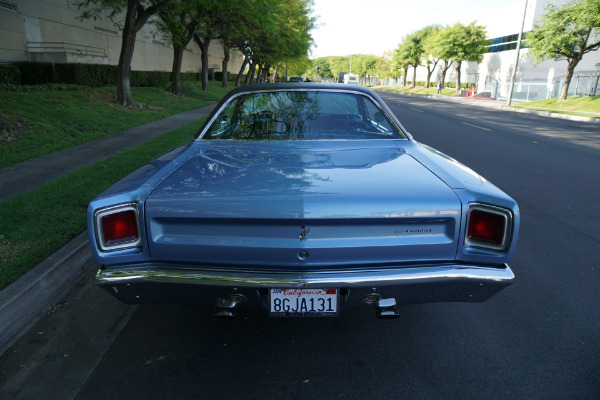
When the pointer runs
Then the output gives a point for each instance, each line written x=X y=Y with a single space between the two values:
x=537 y=339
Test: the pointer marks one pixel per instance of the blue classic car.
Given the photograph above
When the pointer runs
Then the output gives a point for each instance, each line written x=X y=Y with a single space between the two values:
x=305 y=199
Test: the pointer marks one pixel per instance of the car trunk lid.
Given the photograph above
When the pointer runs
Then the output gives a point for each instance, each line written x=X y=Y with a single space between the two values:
x=302 y=205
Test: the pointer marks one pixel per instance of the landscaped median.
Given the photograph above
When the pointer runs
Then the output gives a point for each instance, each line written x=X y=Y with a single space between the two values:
x=36 y=224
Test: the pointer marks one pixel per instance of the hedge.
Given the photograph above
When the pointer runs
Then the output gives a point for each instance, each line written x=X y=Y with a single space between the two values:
x=10 y=74
x=95 y=75
x=230 y=76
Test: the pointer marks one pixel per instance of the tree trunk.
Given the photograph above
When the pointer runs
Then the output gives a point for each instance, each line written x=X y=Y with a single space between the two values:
x=404 y=77
x=127 y=46
x=250 y=77
x=238 y=79
x=205 y=65
x=250 y=72
x=429 y=73
x=565 y=87
x=414 y=82
x=135 y=18
x=175 y=87
x=447 y=65
x=458 y=65
x=203 y=44
x=225 y=65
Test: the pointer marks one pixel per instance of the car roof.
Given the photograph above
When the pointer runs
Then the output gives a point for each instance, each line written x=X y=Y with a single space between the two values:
x=309 y=86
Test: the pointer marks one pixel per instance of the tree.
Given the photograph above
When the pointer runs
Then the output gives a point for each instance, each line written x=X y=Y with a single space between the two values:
x=440 y=46
x=179 y=23
x=403 y=59
x=468 y=43
x=566 y=33
x=137 y=13
x=430 y=59
x=411 y=52
x=206 y=31
x=322 y=68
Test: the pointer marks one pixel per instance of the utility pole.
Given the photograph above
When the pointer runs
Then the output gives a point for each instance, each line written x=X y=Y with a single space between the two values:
x=514 y=74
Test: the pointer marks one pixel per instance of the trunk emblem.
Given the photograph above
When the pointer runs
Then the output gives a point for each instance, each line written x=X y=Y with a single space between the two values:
x=304 y=232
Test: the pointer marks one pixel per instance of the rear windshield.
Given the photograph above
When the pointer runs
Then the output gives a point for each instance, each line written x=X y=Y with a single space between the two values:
x=301 y=115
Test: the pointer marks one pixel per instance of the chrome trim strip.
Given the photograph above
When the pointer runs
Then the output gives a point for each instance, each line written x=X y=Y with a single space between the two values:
x=304 y=279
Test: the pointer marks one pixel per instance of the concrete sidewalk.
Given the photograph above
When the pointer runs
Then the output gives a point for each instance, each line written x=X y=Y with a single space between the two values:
x=28 y=298
x=27 y=175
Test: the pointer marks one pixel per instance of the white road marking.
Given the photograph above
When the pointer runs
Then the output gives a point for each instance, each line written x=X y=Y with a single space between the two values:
x=475 y=126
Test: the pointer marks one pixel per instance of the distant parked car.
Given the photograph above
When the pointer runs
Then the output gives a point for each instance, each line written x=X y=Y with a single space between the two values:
x=296 y=79
x=308 y=200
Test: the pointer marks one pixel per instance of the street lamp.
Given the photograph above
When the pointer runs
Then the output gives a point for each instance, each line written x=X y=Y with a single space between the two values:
x=514 y=74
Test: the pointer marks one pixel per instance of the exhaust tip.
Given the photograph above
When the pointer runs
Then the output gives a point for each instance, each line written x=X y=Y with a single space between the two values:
x=222 y=313
x=372 y=298
x=386 y=309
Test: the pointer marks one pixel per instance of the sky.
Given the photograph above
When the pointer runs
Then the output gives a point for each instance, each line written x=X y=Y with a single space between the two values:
x=347 y=27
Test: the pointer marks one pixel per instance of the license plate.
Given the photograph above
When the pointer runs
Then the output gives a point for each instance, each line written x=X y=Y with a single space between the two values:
x=304 y=302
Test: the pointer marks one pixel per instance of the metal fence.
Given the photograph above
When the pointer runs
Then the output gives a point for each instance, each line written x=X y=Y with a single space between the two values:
x=64 y=47
x=581 y=85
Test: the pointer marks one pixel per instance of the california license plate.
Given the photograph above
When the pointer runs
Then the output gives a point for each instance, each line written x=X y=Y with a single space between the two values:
x=304 y=302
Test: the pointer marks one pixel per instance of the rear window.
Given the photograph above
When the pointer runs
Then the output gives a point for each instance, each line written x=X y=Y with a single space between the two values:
x=301 y=115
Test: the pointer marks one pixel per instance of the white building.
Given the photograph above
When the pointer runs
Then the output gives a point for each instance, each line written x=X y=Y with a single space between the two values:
x=52 y=30
x=493 y=75
x=532 y=82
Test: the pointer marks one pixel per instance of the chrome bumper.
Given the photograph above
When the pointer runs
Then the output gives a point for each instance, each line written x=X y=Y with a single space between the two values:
x=409 y=285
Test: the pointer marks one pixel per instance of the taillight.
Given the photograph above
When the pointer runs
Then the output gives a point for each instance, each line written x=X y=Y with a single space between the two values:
x=488 y=227
x=118 y=227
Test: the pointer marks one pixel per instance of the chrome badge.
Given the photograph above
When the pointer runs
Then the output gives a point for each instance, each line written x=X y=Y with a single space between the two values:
x=304 y=232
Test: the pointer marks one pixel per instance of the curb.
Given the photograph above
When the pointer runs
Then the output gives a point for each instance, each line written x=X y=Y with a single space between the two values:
x=25 y=301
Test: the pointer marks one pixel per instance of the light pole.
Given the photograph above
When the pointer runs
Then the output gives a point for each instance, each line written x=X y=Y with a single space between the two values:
x=514 y=74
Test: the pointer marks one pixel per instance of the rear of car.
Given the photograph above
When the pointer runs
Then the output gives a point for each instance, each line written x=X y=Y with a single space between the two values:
x=307 y=200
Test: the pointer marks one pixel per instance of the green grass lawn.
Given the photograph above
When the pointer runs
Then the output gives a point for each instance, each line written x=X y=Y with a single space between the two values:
x=416 y=90
x=56 y=120
x=583 y=106
x=35 y=224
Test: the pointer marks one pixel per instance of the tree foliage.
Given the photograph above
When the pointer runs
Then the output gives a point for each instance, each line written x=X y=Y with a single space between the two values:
x=267 y=32
x=464 y=43
x=566 y=33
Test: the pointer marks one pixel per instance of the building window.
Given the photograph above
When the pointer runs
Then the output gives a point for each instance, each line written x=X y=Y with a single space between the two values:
x=505 y=43
x=7 y=5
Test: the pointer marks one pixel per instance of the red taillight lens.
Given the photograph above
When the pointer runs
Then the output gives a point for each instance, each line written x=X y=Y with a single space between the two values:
x=120 y=227
x=488 y=227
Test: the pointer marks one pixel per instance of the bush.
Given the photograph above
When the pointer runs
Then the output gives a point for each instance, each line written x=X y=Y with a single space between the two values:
x=149 y=78
x=10 y=74
x=230 y=76
x=44 y=87
x=95 y=74
x=190 y=76
x=92 y=75
x=34 y=73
